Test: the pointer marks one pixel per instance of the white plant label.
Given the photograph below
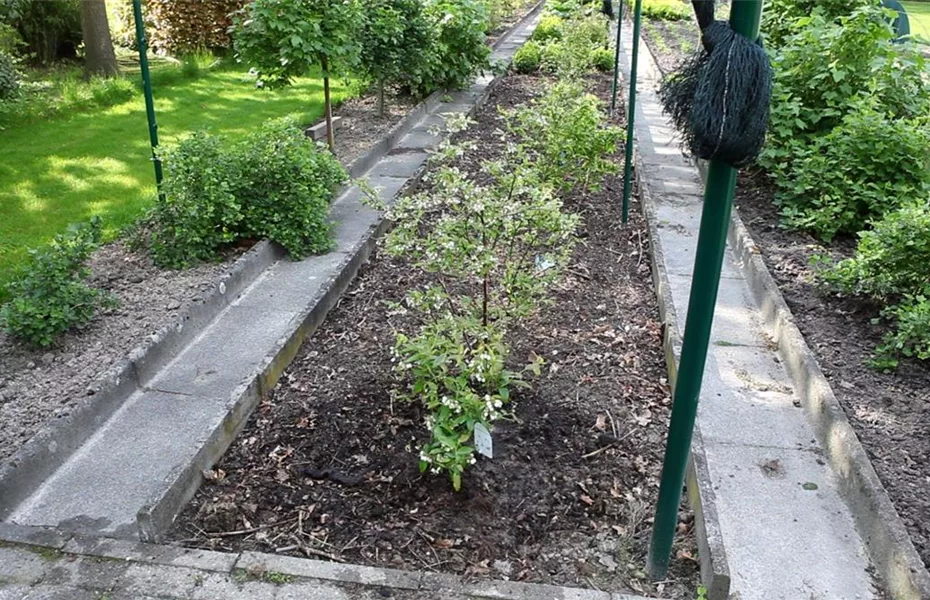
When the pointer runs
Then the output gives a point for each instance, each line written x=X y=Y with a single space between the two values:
x=483 y=443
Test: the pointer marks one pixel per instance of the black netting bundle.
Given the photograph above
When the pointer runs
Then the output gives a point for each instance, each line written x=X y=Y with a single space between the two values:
x=719 y=99
x=607 y=7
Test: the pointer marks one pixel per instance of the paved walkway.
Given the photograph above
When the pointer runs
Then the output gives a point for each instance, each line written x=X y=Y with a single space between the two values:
x=786 y=531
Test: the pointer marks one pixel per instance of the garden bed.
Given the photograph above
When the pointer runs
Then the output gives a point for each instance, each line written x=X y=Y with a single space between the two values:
x=567 y=498
x=890 y=412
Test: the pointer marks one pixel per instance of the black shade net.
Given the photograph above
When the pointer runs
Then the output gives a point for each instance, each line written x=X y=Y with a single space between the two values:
x=719 y=98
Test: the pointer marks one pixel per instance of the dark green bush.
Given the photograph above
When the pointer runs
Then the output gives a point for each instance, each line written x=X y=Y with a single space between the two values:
x=890 y=267
x=458 y=51
x=867 y=166
x=198 y=211
x=528 y=57
x=9 y=77
x=275 y=184
x=50 y=295
x=51 y=29
x=573 y=54
x=783 y=18
x=891 y=260
x=825 y=69
x=286 y=187
x=602 y=59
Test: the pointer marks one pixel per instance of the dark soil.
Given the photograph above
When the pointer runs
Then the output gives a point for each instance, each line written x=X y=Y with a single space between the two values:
x=890 y=412
x=362 y=126
x=568 y=496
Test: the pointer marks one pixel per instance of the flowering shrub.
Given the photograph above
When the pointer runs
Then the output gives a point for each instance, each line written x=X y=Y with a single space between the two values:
x=491 y=251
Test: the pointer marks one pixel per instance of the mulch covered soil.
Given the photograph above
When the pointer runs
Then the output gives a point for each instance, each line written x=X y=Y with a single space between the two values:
x=569 y=493
x=890 y=412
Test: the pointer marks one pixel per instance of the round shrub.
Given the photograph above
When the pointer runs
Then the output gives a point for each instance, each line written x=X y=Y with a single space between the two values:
x=549 y=28
x=9 y=77
x=528 y=57
x=891 y=259
x=866 y=167
x=602 y=59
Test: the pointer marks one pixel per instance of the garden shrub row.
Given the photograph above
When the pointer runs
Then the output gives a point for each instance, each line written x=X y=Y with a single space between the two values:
x=847 y=151
x=492 y=245
x=569 y=44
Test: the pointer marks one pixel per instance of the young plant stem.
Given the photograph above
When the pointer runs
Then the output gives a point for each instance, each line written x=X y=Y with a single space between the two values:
x=330 y=138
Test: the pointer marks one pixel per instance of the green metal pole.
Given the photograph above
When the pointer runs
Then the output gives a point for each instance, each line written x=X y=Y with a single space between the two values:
x=745 y=17
x=147 y=87
x=613 y=90
x=631 y=113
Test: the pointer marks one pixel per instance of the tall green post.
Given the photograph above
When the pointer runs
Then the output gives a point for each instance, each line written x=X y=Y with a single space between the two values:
x=631 y=114
x=147 y=86
x=745 y=18
x=613 y=89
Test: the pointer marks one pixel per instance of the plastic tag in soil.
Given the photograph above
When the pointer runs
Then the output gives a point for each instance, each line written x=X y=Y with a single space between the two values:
x=483 y=443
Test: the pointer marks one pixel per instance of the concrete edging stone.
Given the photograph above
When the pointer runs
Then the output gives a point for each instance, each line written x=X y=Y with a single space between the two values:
x=69 y=546
x=715 y=570
x=892 y=552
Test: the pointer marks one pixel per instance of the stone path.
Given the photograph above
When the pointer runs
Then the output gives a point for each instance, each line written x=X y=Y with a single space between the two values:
x=140 y=466
x=786 y=532
x=45 y=564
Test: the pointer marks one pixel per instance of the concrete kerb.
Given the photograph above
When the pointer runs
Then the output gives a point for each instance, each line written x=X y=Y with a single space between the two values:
x=715 y=571
x=890 y=548
x=129 y=552
x=51 y=446
x=156 y=516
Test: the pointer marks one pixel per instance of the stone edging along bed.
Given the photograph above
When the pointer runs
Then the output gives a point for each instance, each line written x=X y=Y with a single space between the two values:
x=887 y=540
x=51 y=446
x=715 y=571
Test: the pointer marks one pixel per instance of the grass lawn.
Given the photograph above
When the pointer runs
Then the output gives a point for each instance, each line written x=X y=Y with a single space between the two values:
x=918 y=13
x=66 y=169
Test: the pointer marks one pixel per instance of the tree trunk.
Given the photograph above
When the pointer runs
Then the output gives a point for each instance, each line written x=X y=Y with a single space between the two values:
x=381 y=98
x=330 y=138
x=98 y=45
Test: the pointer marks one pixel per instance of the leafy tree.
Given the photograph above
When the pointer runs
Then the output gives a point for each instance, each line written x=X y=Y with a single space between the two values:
x=98 y=45
x=393 y=36
x=284 y=39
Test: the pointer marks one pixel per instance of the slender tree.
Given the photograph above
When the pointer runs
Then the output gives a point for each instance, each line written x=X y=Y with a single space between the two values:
x=100 y=59
x=284 y=39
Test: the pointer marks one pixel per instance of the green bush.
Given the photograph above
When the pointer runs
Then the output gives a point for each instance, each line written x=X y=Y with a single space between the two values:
x=890 y=267
x=528 y=57
x=667 y=10
x=9 y=77
x=911 y=335
x=572 y=55
x=823 y=71
x=393 y=36
x=275 y=184
x=548 y=29
x=458 y=50
x=891 y=259
x=51 y=29
x=867 y=166
x=602 y=59
x=285 y=189
x=198 y=211
x=783 y=18
x=568 y=137
x=50 y=295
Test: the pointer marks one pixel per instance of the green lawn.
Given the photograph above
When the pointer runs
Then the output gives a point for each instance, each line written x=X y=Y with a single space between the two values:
x=918 y=13
x=64 y=170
